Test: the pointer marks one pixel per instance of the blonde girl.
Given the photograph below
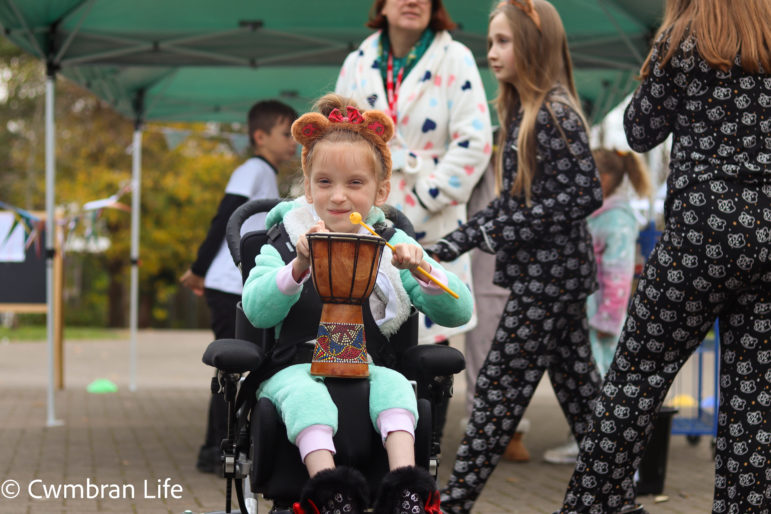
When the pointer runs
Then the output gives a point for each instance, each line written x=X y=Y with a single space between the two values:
x=614 y=228
x=537 y=229
x=706 y=82
x=346 y=166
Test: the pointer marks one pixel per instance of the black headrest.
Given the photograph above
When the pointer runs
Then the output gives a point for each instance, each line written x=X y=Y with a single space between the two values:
x=399 y=220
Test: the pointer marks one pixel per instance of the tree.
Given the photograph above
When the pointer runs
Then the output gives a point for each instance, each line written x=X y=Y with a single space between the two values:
x=181 y=187
x=180 y=191
x=21 y=86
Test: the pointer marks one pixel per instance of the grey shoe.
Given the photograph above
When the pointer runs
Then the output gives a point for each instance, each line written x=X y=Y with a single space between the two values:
x=564 y=454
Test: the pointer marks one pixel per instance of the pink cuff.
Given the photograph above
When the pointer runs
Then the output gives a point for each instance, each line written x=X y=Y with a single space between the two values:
x=394 y=420
x=315 y=437
x=286 y=283
x=429 y=287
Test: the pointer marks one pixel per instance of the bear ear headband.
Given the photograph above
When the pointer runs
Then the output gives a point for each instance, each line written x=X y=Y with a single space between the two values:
x=527 y=7
x=374 y=126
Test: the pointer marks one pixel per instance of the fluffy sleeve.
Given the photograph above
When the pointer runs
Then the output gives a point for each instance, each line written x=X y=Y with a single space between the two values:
x=441 y=308
x=264 y=304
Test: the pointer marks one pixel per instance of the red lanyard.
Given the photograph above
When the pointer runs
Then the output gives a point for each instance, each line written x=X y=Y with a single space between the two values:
x=392 y=89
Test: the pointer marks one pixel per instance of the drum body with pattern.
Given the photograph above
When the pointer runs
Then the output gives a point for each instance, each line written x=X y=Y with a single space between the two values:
x=344 y=270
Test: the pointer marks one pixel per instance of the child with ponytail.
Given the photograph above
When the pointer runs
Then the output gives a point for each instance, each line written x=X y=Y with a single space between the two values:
x=346 y=166
x=536 y=227
x=707 y=84
x=614 y=228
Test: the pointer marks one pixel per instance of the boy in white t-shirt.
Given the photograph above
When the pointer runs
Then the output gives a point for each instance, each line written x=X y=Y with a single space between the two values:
x=213 y=274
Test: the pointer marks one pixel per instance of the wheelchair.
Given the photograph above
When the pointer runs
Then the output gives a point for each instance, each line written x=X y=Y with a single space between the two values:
x=256 y=456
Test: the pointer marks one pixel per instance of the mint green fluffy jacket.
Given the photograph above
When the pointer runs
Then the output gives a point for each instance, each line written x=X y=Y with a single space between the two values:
x=301 y=399
x=265 y=306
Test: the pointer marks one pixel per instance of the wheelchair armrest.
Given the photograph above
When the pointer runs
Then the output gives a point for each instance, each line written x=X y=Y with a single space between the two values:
x=426 y=361
x=233 y=355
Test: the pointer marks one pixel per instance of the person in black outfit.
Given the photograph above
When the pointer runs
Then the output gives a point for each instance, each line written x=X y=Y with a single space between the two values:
x=710 y=88
x=213 y=274
x=537 y=230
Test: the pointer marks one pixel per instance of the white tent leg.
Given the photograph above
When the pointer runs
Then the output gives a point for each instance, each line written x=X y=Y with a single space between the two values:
x=136 y=180
x=50 y=234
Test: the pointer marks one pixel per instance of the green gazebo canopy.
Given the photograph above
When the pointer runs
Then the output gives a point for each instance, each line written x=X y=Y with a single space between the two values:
x=201 y=60
x=191 y=60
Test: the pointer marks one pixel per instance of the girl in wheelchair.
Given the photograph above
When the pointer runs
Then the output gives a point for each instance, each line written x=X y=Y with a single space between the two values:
x=346 y=168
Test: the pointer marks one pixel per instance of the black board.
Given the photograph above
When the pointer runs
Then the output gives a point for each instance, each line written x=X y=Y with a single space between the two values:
x=25 y=282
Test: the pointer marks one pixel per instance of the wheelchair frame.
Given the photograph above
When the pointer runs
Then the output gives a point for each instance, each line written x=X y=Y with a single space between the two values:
x=429 y=367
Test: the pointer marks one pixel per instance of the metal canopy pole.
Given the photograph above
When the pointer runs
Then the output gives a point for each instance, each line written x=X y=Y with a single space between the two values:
x=50 y=234
x=136 y=190
x=623 y=35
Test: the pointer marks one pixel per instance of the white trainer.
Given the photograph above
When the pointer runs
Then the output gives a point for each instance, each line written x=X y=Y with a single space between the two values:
x=564 y=454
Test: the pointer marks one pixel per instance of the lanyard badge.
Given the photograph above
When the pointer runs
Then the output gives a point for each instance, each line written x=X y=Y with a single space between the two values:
x=392 y=90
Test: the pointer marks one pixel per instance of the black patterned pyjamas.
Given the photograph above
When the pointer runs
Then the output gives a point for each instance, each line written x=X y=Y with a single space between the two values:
x=533 y=336
x=712 y=261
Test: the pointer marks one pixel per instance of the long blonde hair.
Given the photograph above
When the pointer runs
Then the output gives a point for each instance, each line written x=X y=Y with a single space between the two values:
x=723 y=30
x=541 y=61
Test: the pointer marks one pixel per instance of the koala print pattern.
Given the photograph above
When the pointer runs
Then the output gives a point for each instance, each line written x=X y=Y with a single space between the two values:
x=662 y=331
x=724 y=116
x=712 y=262
x=544 y=256
x=565 y=191
x=557 y=342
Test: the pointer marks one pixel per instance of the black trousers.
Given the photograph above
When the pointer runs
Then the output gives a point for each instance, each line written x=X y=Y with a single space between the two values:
x=222 y=309
x=711 y=262
x=533 y=337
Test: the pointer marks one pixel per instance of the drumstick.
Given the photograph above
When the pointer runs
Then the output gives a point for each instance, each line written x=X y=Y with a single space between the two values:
x=356 y=220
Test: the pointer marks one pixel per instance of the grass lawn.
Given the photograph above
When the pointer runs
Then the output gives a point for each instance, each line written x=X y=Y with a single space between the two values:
x=38 y=333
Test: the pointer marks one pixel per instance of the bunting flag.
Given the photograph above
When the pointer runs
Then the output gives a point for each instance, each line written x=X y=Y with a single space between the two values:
x=88 y=213
x=91 y=219
x=69 y=229
x=35 y=237
x=174 y=137
x=111 y=202
x=32 y=226
x=12 y=226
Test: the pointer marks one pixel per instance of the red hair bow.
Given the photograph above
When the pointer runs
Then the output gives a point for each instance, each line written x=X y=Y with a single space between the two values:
x=354 y=116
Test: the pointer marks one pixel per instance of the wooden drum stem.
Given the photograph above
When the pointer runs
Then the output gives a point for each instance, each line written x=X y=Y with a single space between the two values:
x=341 y=325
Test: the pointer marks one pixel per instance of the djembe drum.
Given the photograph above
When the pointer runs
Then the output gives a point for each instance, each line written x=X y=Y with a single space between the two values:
x=343 y=269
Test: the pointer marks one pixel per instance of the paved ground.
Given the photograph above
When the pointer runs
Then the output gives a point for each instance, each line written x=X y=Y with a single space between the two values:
x=140 y=447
